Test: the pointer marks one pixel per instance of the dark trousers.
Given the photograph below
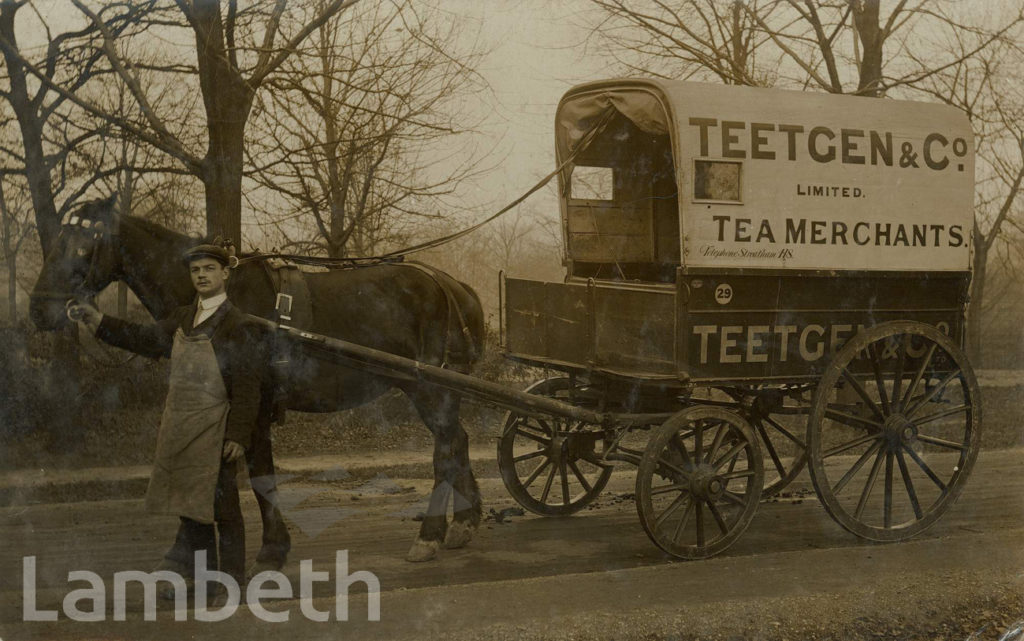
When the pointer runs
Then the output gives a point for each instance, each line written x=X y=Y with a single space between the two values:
x=276 y=540
x=225 y=544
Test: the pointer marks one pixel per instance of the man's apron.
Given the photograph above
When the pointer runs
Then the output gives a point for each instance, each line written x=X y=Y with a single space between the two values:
x=191 y=438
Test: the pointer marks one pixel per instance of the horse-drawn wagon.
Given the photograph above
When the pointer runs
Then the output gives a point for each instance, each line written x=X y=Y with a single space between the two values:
x=756 y=281
x=764 y=274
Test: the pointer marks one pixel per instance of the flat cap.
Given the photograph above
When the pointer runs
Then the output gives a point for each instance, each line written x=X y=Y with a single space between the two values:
x=216 y=252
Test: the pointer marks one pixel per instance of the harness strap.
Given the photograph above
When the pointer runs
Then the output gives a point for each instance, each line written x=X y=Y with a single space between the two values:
x=454 y=309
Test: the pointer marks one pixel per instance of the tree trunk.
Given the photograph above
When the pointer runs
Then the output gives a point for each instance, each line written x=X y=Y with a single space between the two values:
x=12 y=267
x=738 y=60
x=222 y=179
x=865 y=18
x=228 y=100
x=37 y=172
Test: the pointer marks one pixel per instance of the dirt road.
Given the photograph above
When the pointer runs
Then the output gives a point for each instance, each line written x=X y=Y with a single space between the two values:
x=795 y=574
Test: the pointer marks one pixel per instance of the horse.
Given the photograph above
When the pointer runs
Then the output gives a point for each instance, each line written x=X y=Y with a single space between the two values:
x=403 y=308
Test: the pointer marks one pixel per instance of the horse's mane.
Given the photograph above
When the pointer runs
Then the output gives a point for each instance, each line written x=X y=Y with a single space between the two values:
x=159 y=231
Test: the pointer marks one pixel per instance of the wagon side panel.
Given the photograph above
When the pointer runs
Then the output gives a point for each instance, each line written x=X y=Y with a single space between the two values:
x=787 y=326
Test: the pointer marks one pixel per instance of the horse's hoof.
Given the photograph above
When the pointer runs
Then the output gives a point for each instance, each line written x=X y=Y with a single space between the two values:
x=422 y=551
x=459 y=534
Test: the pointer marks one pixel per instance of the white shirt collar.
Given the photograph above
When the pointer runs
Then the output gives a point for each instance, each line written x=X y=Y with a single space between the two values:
x=212 y=302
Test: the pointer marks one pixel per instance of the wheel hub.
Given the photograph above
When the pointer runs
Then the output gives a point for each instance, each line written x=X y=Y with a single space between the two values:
x=899 y=430
x=705 y=484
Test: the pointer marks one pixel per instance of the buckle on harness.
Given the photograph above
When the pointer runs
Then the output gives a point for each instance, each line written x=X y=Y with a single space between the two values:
x=283 y=306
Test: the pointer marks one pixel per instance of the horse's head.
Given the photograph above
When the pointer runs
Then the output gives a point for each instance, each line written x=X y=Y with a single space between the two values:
x=83 y=260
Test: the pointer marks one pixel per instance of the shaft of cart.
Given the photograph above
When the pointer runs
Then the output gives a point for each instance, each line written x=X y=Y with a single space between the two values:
x=393 y=366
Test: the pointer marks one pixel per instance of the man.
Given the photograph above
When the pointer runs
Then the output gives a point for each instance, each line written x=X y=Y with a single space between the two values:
x=210 y=414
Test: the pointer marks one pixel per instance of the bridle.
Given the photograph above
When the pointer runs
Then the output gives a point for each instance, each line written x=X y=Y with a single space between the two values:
x=103 y=243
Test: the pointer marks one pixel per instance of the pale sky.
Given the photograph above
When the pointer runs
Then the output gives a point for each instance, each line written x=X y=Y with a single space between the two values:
x=537 y=56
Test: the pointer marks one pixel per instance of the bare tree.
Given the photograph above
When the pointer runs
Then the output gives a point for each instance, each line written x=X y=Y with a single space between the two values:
x=349 y=135
x=16 y=228
x=836 y=46
x=689 y=40
x=236 y=51
x=68 y=63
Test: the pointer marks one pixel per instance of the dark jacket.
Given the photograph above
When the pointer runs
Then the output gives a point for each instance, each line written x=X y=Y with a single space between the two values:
x=236 y=343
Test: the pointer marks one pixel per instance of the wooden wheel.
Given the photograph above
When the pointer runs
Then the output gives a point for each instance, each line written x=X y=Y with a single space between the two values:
x=699 y=482
x=900 y=402
x=550 y=465
x=779 y=417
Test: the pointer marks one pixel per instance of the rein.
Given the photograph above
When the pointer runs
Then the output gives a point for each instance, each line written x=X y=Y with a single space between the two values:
x=321 y=261
x=585 y=141
x=399 y=255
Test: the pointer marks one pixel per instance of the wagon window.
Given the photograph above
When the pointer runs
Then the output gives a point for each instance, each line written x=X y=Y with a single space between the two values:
x=592 y=183
x=716 y=181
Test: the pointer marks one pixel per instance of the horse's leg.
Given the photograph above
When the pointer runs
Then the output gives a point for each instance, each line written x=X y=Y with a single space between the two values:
x=453 y=477
x=260 y=458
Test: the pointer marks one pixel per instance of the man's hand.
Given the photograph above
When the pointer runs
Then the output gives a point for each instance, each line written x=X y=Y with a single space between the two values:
x=232 y=451
x=84 y=313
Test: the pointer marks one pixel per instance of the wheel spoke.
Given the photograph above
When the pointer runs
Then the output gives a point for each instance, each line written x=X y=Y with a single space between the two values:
x=909 y=483
x=876 y=366
x=786 y=432
x=776 y=461
x=698 y=450
x=857 y=387
x=677 y=442
x=850 y=419
x=887 y=517
x=543 y=440
x=950 y=445
x=856 y=467
x=740 y=474
x=547 y=485
x=665 y=465
x=579 y=476
x=674 y=487
x=943 y=414
x=839 y=449
x=717 y=442
x=529 y=455
x=683 y=496
x=682 y=522
x=547 y=429
x=901 y=353
x=732 y=497
x=700 y=523
x=722 y=525
x=536 y=472
x=925 y=362
x=932 y=394
x=732 y=454
x=563 y=472
x=924 y=467
x=869 y=485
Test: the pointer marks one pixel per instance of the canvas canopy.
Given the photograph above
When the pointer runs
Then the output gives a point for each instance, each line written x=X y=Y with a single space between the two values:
x=578 y=115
